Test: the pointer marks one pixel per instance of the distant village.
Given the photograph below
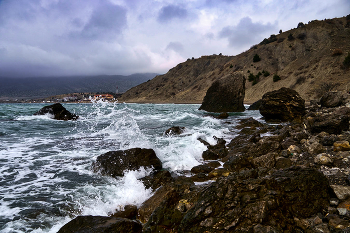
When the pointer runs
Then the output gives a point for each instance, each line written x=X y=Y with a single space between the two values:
x=67 y=98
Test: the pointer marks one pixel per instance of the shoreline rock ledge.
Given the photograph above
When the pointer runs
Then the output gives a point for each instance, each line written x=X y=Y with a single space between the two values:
x=225 y=94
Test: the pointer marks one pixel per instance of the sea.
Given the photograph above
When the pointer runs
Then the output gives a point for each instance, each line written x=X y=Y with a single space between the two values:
x=46 y=178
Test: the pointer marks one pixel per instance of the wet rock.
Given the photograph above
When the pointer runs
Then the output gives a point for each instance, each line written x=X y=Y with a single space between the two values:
x=209 y=155
x=93 y=224
x=255 y=105
x=58 y=111
x=152 y=203
x=223 y=115
x=284 y=104
x=157 y=179
x=129 y=212
x=114 y=163
x=175 y=130
x=217 y=151
x=225 y=95
x=249 y=122
x=203 y=168
x=341 y=146
x=332 y=99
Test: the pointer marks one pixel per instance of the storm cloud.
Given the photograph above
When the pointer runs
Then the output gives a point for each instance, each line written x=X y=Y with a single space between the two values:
x=89 y=37
x=246 y=32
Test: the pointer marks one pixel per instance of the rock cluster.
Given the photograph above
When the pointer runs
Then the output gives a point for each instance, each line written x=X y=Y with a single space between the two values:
x=58 y=112
x=296 y=179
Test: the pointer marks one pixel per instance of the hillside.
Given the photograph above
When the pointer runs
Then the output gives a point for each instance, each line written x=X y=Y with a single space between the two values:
x=45 y=86
x=308 y=59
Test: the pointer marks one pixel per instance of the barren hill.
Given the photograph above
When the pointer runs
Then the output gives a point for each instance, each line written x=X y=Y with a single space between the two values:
x=308 y=59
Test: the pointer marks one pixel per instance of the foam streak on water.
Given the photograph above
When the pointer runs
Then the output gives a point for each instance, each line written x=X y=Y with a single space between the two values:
x=45 y=173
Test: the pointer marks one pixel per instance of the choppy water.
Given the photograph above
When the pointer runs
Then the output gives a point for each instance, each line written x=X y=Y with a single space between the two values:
x=45 y=175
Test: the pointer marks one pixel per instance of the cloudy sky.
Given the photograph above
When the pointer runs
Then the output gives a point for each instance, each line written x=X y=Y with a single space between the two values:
x=88 y=37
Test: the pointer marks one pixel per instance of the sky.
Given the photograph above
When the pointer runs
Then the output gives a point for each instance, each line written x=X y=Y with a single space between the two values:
x=93 y=37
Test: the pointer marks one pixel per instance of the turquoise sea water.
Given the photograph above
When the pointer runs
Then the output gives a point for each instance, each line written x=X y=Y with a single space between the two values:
x=45 y=174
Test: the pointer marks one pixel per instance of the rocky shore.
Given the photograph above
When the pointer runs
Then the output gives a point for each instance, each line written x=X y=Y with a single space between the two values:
x=290 y=174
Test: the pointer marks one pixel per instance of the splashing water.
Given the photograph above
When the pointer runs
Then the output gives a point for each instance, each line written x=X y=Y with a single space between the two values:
x=45 y=173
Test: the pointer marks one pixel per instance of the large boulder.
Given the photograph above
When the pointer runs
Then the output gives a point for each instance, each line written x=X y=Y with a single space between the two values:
x=332 y=99
x=114 y=163
x=284 y=104
x=58 y=112
x=93 y=224
x=331 y=123
x=225 y=95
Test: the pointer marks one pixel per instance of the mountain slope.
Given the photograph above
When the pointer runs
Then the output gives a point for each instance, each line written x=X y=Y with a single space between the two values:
x=305 y=58
x=44 y=87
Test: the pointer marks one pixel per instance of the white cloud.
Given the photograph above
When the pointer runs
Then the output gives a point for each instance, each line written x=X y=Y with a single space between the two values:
x=64 y=37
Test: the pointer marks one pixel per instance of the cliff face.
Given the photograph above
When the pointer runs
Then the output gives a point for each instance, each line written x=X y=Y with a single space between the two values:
x=308 y=59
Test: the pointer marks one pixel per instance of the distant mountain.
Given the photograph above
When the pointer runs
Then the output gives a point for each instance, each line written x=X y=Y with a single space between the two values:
x=310 y=59
x=49 y=86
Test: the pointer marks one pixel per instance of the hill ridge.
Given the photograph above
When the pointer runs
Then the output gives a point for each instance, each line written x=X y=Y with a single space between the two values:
x=307 y=59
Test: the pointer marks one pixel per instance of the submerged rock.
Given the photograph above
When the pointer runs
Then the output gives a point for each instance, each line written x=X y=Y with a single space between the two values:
x=225 y=95
x=175 y=130
x=114 y=163
x=284 y=104
x=58 y=111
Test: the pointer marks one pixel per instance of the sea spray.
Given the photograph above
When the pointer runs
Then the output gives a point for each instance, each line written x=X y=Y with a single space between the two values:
x=45 y=164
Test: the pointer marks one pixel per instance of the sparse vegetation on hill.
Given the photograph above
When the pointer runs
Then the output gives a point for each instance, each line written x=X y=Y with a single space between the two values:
x=305 y=57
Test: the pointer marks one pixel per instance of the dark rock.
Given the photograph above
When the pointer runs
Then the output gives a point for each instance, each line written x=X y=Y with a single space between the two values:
x=93 y=224
x=200 y=177
x=203 y=168
x=114 y=163
x=332 y=99
x=329 y=140
x=332 y=124
x=157 y=179
x=217 y=151
x=237 y=162
x=214 y=164
x=129 y=212
x=58 y=112
x=152 y=203
x=203 y=141
x=255 y=105
x=233 y=204
x=223 y=115
x=175 y=130
x=282 y=163
x=249 y=122
x=284 y=104
x=225 y=95
x=209 y=155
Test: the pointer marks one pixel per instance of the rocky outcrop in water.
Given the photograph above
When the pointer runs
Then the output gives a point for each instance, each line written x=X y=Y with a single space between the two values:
x=284 y=104
x=58 y=111
x=269 y=178
x=225 y=95
x=115 y=163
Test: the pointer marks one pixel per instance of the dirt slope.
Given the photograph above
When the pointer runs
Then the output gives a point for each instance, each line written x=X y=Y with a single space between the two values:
x=308 y=59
